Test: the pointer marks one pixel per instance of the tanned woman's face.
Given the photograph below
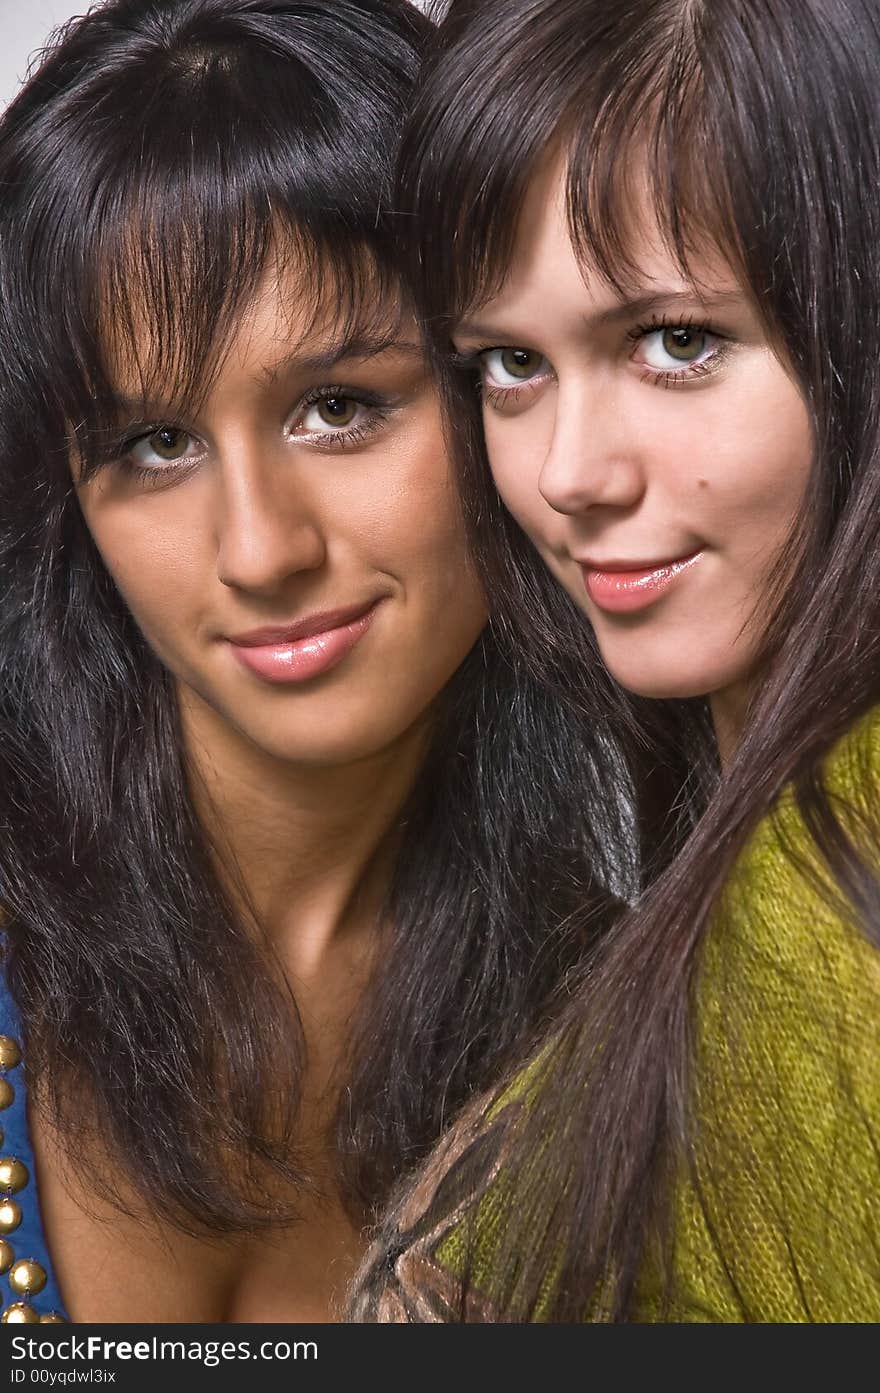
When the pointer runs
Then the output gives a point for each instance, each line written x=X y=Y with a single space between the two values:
x=652 y=446
x=292 y=550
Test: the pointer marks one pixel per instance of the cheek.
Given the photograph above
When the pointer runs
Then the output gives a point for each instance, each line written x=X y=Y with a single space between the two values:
x=749 y=484
x=517 y=447
x=417 y=538
x=404 y=517
x=151 y=553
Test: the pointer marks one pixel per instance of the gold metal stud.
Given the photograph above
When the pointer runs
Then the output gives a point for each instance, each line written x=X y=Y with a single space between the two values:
x=14 y=1174
x=20 y=1313
x=10 y=1052
x=7 y=1094
x=27 y=1277
x=2 y=1136
x=52 y=1318
x=10 y=1215
x=7 y=1256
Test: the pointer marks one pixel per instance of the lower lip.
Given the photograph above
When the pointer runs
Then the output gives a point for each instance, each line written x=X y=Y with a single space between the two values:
x=625 y=592
x=304 y=658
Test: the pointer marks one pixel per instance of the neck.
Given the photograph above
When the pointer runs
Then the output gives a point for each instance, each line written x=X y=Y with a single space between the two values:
x=308 y=852
x=728 y=708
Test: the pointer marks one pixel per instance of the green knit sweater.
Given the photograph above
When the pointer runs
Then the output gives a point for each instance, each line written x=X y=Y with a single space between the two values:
x=788 y=1075
x=781 y=1219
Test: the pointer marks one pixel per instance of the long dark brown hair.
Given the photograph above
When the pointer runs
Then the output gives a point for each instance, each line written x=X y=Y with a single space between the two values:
x=160 y=152
x=757 y=122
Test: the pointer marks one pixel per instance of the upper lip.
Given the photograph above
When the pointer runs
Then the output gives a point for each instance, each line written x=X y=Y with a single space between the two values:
x=308 y=627
x=617 y=565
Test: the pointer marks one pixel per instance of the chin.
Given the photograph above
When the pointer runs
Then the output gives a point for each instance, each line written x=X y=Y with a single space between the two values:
x=328 y=746
x=676 y=663
x=662 y=683
x=662 y=691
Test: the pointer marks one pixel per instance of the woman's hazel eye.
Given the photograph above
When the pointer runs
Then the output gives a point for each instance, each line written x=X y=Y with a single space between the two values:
x=684 y=344
x=520 y=362
x=676 y=345
x=168 y=443
x=332 y=411
x=505 y=367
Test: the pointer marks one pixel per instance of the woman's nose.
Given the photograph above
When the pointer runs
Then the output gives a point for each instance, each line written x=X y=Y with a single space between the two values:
x=594 y=459
x=268 y=527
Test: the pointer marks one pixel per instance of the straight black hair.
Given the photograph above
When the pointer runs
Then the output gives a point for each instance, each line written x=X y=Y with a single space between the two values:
x=160 y=154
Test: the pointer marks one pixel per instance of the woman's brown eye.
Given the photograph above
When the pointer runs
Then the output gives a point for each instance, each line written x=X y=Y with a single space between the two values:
x=683 y=344
x=337 y=411
x=520 y=362
x=168 y=443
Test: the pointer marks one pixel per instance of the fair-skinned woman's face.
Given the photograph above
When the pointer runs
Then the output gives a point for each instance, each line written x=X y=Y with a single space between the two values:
x=652 y=446
x=292 y=550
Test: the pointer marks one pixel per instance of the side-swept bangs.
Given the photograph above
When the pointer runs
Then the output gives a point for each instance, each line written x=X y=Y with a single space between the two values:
x=728 y=133
x=159 y=184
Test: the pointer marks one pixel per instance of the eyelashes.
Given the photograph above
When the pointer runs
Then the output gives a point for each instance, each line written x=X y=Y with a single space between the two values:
x=370 y=412
x=477 y=363
x=691 y=349
x=331 y=419
x=670 y=353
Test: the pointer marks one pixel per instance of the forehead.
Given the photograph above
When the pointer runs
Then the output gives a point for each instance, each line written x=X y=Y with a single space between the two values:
x=551 y=265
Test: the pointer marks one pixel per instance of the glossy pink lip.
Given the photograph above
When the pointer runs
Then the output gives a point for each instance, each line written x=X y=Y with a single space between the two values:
x=627 y=586
x=298 y=652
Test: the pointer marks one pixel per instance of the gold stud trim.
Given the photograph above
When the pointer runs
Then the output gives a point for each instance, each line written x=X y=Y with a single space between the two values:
x=10 y=1052
x=10 y=1215
x=14 y=1174
x=20 y=1313
x=27 y=1277
x=7 y=1094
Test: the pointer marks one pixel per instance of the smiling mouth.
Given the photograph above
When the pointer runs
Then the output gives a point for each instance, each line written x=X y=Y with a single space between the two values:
x=303 y=650
x=626 y=587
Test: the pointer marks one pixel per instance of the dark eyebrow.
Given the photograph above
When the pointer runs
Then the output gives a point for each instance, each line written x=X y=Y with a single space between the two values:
x=660 y=300
x=351 y=346
x=630 y=307
x=318 y=364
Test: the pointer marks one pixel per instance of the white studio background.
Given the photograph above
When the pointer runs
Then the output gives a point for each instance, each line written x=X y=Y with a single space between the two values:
x=25 y=25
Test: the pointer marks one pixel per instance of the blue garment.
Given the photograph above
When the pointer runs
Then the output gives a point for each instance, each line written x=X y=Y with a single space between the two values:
x=28 y=1240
